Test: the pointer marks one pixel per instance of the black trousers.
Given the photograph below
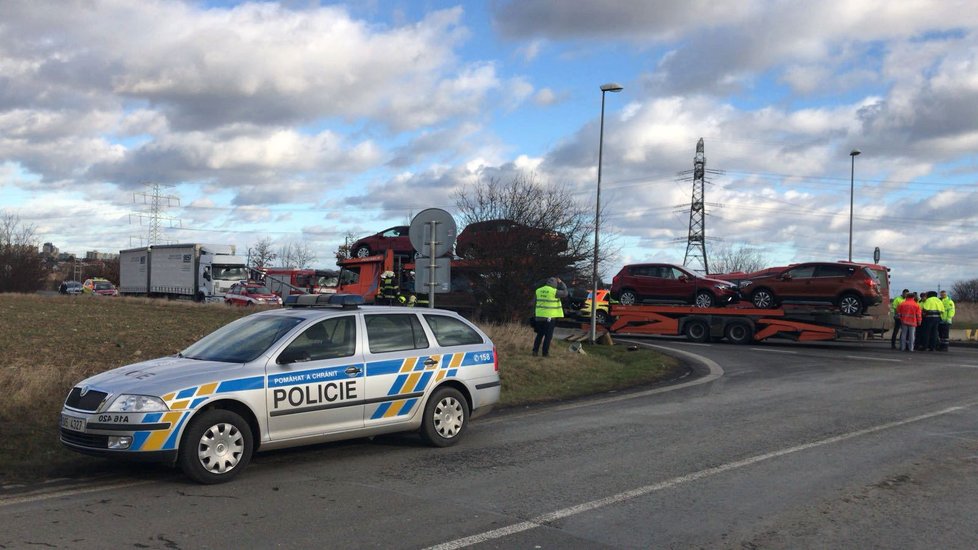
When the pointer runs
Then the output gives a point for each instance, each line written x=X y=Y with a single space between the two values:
x=929 y=328
x=944 y=333
x=545 y=333
x=896 y=331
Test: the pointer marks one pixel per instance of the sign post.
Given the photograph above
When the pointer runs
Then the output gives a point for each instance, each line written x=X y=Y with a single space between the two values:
x=432 y=234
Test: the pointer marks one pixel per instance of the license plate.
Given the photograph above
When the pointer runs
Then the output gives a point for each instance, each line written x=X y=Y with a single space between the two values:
x=72 y=423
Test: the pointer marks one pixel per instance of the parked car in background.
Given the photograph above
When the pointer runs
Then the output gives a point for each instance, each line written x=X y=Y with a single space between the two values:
x=601 y=311
x=850 y=287
x=251 y=294
x=393 y=238
x=667 y=283
x=99 y=287
x=506 y=235
x=73 y=288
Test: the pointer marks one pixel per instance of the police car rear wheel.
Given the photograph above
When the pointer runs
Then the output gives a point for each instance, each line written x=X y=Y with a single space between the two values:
x=216 y=447
x=445 y=417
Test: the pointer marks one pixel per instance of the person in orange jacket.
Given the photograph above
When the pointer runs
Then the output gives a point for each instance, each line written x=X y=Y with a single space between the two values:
x=910 y=316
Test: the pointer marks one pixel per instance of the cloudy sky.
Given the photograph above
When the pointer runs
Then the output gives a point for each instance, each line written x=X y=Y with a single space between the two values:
x=301 y=121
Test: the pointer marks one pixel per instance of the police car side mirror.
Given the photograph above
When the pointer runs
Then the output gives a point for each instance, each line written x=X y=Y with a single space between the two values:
x=290 y=356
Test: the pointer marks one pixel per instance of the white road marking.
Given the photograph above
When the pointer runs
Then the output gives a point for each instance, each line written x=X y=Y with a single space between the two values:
x=545 y=519
x=869 y=358
x=693 y=344
x=965 y=366
x=775 y=350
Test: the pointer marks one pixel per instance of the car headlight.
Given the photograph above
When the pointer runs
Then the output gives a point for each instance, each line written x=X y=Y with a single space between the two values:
x=723 y=286
x=746 y=284
x=137 y=403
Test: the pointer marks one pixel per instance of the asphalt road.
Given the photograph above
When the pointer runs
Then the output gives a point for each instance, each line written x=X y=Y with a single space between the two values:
x=773 y=446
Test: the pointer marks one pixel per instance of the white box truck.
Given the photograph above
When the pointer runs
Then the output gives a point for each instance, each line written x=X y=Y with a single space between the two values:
x=198 y=271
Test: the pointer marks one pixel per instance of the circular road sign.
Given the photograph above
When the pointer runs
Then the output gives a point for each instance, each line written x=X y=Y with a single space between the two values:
x=443 y=227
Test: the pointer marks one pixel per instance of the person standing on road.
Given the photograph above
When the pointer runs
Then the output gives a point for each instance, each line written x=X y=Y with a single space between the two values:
x=896 y=317
x=909 y=318
x=933 y=310
x=944 y=328
x=547 y=309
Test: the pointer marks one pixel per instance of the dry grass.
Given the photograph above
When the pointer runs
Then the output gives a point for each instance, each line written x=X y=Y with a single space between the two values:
x=965 y=315
x=49 y=343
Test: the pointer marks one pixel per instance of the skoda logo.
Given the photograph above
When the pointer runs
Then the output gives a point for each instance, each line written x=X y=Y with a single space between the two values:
x=85 y=390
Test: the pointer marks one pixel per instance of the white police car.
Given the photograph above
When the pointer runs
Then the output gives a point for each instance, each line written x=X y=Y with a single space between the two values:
x=322 y=370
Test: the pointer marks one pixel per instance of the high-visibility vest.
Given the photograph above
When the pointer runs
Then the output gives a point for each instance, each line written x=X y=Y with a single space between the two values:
x=548 y=304
x=932 y=306
x=895 y=304
x=948 y=309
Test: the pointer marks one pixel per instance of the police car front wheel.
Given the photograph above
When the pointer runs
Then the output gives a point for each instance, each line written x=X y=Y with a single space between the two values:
x=445 y=417
x=216 y=447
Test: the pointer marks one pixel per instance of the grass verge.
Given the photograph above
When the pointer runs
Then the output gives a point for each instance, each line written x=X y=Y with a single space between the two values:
x=49 y=343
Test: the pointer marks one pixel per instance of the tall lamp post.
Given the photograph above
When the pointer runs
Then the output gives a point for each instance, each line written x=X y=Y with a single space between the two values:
x=852 y=188
x=610 y=87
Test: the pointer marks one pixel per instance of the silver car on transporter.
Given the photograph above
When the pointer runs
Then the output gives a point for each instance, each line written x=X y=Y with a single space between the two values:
x=322 y=369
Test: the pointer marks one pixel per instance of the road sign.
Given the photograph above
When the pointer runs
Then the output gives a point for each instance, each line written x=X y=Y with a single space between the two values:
x=432 y=232
x=424 y=282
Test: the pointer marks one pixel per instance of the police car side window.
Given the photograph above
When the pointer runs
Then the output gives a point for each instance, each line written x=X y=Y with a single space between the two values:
x=329 y=339
x=394 y=332
x=449 y=331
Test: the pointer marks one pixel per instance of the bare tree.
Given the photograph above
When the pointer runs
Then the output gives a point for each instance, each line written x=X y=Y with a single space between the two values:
x=22 y=267
x=343 y=251
x=965 y=291
x=551 y=234
x=261 y=254
x=296 y=255
x=725 y=258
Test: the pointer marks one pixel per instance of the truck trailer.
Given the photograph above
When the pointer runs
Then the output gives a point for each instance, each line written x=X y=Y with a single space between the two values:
x=201 y=272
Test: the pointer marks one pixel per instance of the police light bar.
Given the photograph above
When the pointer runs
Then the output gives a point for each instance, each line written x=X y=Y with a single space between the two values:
x=346 y=301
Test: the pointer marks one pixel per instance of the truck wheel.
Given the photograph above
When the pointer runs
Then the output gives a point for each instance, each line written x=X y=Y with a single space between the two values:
x=362 y=251
x=216 y=447
x=739 y=333
x=697 y=331
x=851 y=304
x=704 y=299
x=445 y=417
x=762 y=299
x=628 y=298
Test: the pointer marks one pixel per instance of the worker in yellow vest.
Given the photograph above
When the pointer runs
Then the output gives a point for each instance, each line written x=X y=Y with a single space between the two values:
x=894 y=304
x=547 y=308
x=933 y=310
x=944 y=328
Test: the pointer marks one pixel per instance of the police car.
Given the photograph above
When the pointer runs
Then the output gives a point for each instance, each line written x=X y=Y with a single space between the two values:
x=322 y=369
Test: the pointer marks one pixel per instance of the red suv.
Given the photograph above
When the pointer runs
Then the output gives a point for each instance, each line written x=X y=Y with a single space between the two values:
x=506 y=236
x=395 y=238
x=850 y=287
x=667 y=283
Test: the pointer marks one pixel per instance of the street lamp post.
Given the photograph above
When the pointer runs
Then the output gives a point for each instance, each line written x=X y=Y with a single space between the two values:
x=852 y=188
x=610 y=87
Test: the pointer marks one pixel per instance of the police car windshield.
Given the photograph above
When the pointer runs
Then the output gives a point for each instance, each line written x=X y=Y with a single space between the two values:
x=241 y=341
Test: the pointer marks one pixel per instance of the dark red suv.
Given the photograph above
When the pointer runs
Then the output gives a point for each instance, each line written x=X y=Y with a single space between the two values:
x=850 y=287
x=667 y=283
x=395 y=238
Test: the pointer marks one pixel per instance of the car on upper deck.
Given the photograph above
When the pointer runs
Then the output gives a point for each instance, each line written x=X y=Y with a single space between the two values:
x=670 y=284
x=850 y=287
x=393 y=238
